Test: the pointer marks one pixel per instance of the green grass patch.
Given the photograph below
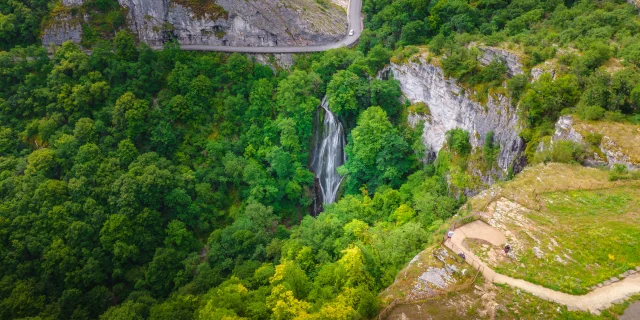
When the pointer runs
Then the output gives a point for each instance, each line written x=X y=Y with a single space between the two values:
x=596 y=236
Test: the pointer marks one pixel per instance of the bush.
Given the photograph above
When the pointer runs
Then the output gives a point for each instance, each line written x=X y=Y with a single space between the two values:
x=458 y=141
x=567 y=152
x=490 y=150
x=562 y=152
x=419 y=108
x=592 y=113
x=516 y=86
x=621 y=172
x=593 y=139
x=614 y=116
x=437 y=44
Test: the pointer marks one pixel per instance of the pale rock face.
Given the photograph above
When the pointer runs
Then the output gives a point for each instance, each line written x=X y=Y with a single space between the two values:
x=274 y=61
x=146 y=18
x=635 y=3
x=64 y=27
x=72 y=3
x=546 y=67
x=249 y=23
x=451 y=108
x=511 y=60
x=565 y=130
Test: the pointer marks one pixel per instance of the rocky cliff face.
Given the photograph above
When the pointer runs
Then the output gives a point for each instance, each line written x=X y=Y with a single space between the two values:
x=451 y=107
x=510 y=59
x=635 y=3
x=616 y=145
x=237 y=23
x=62 y=26
x=218 y=22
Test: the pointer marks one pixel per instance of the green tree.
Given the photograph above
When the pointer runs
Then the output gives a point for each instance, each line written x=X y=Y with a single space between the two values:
x=376 y=153
x=545 y=98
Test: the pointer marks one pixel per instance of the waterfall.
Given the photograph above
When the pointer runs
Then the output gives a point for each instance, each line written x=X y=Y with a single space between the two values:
x=328 y=152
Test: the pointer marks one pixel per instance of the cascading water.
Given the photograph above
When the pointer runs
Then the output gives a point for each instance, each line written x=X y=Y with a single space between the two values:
x=328 y=153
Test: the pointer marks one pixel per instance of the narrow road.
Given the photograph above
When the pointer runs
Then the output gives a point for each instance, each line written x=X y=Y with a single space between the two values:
x=594 y=301
x=354 y=17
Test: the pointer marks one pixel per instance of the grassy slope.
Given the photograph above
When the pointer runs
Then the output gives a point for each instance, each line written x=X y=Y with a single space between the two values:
x=597 y=235
x=586 y=236
x=599 y=229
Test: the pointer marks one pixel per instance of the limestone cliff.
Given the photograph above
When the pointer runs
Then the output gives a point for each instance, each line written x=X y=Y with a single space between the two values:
x=510 y=59
x=217 y=22
x=236 y=23
x=62 y=25
x=451 y=107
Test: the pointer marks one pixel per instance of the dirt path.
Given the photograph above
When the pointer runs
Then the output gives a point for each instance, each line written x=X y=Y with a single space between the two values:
x=594 y=301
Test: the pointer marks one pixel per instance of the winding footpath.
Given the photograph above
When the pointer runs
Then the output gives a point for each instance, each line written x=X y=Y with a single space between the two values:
x=355 y=23
x=594 y=301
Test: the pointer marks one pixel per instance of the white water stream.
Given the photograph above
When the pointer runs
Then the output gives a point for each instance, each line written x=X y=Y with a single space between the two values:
x=328 y=152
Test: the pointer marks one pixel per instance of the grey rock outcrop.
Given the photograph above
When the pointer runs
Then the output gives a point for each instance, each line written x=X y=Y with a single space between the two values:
x=566 y=130
x=546 y=67
x=451 y=107
x=240 y=23
x=245 y=23
x=510 y=59
x=62 y=26
x=72 y=3
x=274 y=61
x=635 y=3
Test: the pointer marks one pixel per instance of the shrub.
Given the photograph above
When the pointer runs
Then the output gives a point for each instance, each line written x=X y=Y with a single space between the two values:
x=567 y=152
x=458 y=141
x=592 y=113
x=562 y=152
x=437 y=44
x=621 y=172
x=420 y=108
x=593 y=139
x=614 y=116
x=516 y=86
x=490 y=150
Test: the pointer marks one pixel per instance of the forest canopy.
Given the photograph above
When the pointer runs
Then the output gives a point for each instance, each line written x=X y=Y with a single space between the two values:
x=142 y=184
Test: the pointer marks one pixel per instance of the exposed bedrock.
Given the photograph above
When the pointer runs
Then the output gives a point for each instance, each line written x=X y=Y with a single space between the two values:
x=223 y=22
x=615 y=147
x=451 y=107
x=238 y=23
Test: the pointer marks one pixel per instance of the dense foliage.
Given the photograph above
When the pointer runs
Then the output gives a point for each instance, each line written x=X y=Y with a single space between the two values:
x=141 y=184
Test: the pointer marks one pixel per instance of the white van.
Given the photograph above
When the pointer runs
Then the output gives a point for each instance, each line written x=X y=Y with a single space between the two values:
x=351 y=32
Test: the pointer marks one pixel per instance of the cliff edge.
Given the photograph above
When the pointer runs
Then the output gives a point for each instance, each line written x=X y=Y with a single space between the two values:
x=219 y=22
